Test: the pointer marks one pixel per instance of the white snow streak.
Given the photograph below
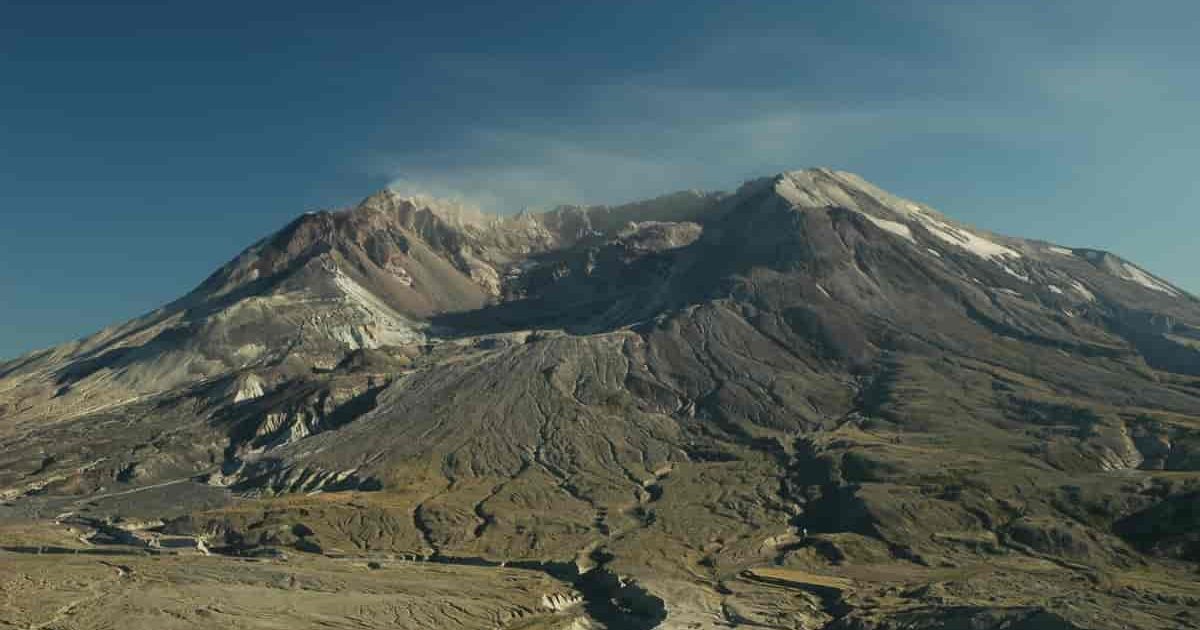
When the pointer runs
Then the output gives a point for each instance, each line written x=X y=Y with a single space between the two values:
x=1082 y=290
x=894 y=227
x=1014 y=273
x=1150 y=282
x=964 y=239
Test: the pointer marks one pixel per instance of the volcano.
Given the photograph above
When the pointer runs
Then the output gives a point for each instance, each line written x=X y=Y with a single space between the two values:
x=807 y=403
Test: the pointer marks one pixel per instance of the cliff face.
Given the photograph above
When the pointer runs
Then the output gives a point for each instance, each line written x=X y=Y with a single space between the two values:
x=808 y=376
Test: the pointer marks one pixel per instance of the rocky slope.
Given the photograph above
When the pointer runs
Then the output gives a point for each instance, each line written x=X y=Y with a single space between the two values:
x=806 y=403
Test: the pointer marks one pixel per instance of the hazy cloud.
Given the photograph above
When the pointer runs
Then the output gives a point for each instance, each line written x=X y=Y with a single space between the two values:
x=1059 y=116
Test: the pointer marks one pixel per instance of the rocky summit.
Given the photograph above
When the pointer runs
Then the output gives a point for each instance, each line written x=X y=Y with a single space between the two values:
x=807 y=403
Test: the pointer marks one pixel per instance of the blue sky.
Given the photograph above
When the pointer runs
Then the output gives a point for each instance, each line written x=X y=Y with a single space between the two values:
x=144 y=144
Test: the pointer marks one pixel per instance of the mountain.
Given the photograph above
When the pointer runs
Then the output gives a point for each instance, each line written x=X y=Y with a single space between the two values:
x=806 y=403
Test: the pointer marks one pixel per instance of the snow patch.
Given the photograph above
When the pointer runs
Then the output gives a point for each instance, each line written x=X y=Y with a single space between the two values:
x=959 y=237
x=1055 y=290
x=1146 y=280
x=1014 y=273
x=823 y=189
x=894 y=227
x=803 y=188
x=1061 y=250
x=1082 y=290
x=824 y=292
x=933 y=251
x=964 y=239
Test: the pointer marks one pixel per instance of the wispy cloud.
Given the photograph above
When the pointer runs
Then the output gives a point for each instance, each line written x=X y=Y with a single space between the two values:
x=734 y=105
x=1042 y=109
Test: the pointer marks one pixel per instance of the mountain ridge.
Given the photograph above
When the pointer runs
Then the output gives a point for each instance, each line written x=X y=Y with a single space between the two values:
x=480 y=218
x=807 y=384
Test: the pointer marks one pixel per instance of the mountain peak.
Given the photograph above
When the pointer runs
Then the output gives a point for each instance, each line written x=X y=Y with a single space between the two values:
x=450 y=210
x=825 y=187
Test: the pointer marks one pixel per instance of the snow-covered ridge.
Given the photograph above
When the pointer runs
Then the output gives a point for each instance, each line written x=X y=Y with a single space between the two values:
x=817 y=188
x=895 y=227
x=1125 y=270
x=826 y=188
x=1135 y=274
x=964 y=239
